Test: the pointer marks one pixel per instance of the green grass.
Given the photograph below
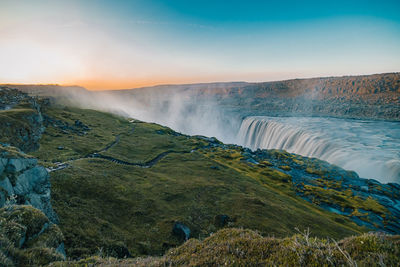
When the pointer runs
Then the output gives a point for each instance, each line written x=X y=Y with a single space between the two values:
x=108 y=207
x=104 y=126
x=146 y=140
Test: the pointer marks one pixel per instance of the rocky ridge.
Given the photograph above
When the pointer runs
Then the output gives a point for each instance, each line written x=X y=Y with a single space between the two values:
x=21 y=120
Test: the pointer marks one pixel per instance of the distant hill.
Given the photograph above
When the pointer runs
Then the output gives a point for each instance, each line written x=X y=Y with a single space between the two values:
x=374 y=96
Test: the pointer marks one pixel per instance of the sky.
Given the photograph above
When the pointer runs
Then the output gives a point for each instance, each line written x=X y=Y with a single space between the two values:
x=126 y=44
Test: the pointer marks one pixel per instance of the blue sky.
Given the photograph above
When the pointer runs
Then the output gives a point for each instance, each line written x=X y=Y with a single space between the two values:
x=122 y=44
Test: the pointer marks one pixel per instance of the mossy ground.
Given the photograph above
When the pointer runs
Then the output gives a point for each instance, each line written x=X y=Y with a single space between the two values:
x=11 y=123
x=27 y=238
x=114 y=208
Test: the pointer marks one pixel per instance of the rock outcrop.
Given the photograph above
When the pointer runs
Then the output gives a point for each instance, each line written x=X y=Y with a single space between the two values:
x=22 y=177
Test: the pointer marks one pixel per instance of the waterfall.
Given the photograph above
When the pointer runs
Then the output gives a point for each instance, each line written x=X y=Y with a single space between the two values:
x=345 y=143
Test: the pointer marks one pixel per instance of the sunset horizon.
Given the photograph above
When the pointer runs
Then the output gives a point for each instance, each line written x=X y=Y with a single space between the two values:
x=100 y=85
x=119 y=45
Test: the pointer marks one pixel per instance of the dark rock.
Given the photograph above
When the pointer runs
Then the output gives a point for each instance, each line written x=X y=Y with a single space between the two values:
x=118 y=250
x=221 y=220
x=78 y=123
x=180 y=230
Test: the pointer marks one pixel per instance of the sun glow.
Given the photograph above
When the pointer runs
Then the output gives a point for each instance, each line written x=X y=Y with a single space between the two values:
x=130 y=44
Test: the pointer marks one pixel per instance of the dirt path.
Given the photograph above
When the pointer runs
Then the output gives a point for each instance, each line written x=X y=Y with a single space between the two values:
x=147 y=164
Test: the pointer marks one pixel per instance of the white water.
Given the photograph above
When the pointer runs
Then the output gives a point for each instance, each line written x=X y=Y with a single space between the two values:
x=371 y=148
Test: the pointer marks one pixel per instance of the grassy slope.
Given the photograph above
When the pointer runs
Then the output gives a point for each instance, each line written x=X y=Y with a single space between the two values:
x=242 y=247
x=107 y=206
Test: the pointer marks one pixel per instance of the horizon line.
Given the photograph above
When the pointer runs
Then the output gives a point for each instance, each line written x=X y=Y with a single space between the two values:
x=195 y=83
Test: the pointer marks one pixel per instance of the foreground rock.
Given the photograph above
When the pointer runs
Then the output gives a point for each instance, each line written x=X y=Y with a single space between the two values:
x=21 y=177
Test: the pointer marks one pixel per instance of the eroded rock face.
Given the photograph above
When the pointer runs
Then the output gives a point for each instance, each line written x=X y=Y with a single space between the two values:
x=29 y=182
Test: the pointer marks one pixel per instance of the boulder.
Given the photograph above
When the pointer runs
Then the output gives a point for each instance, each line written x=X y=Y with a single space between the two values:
x=180 y=230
